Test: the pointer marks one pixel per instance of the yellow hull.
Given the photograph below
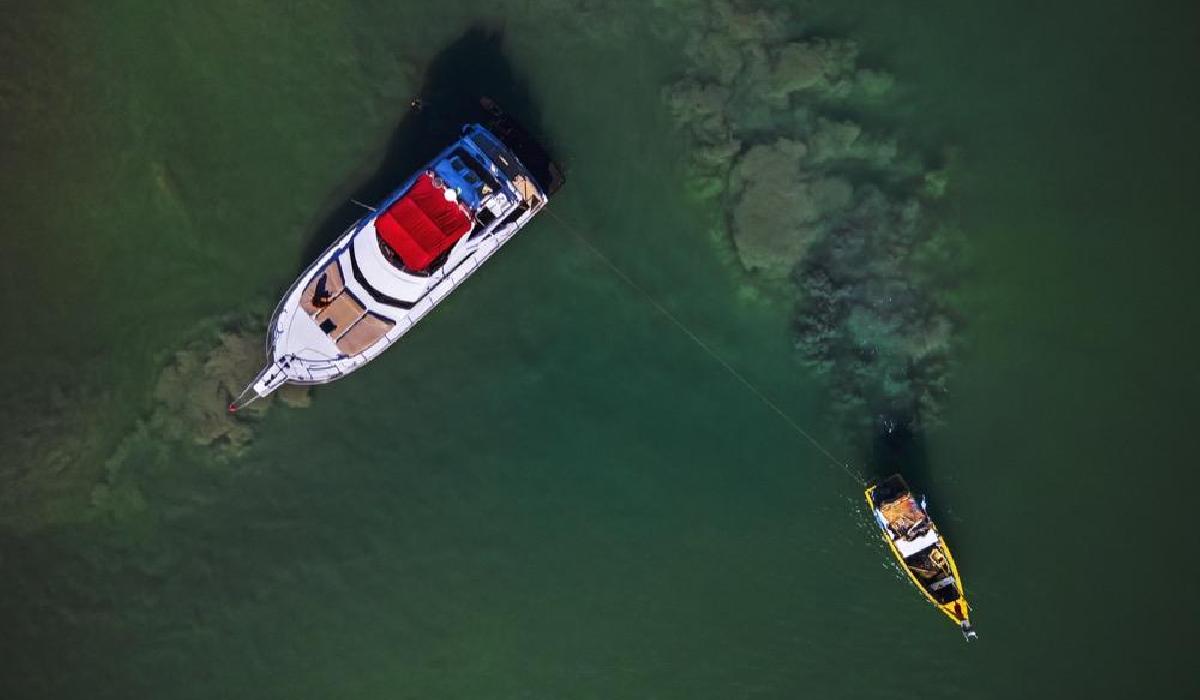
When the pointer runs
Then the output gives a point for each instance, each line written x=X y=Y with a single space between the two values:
x=958 y=610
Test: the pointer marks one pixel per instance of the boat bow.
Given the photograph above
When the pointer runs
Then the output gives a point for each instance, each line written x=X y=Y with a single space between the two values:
x=268 y=380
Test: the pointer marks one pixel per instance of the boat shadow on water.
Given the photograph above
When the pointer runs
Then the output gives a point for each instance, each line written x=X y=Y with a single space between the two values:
x=473 y=66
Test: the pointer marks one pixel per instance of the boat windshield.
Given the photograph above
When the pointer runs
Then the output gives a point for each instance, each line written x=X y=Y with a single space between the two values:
x=472 y=171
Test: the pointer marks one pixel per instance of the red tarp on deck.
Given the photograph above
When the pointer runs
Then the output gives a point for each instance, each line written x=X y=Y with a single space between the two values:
x=422 y=224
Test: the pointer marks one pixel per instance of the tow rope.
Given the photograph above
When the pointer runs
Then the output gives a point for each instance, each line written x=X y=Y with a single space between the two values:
x=683 y=328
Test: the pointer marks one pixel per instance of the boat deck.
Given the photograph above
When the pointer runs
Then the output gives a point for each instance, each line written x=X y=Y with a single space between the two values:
x=339 y=314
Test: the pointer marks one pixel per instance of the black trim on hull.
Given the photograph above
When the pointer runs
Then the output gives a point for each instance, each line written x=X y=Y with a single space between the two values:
x=378 y=295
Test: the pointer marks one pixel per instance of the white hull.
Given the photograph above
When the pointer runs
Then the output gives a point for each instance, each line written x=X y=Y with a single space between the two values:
x=292 y=334
x=359 y=297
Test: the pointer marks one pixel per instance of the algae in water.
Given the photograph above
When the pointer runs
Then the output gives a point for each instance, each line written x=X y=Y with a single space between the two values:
x=62 y=473
x=812 y=196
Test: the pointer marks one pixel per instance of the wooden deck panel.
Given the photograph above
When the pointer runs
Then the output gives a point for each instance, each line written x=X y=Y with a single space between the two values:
x=363 y=334
x=343 y=311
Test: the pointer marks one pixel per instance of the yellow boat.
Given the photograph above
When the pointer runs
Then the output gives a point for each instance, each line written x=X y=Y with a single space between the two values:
x=920 y=548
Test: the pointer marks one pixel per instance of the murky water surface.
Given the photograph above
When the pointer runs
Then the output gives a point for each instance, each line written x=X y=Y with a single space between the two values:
x=547 y=491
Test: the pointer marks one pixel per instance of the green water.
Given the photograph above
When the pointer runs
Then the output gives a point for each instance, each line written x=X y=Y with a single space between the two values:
x=547 y=491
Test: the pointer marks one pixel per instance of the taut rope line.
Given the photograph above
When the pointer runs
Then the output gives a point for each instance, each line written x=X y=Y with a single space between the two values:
x=844 y=466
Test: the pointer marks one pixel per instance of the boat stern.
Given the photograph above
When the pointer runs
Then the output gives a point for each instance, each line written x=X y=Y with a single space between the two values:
x=968 y=631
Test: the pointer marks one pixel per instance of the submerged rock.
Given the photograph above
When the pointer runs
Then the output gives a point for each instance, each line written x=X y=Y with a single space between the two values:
x=825 y=66
x=294 y=396
x=81 y=455
x=194 y=390
x=702 y=107
x=779 y=209
x=189 y=422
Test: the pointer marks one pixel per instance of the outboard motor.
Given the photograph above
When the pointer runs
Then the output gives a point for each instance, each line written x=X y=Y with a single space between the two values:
x=968 y=631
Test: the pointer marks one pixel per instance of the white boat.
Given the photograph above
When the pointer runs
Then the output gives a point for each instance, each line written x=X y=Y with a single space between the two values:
x=394 y=265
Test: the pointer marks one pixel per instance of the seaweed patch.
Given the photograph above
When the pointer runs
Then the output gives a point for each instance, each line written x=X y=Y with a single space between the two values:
x=812 y=196
x=190 y=413
x=65 y=471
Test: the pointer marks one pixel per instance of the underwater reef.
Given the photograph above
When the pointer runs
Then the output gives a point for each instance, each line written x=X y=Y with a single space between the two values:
x=190 y=417
x=816 y=201
x=64 y=471
x=194 y=390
